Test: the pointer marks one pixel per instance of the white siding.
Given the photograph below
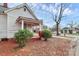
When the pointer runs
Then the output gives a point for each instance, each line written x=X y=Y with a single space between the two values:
x=12 y=27
x=3 y=26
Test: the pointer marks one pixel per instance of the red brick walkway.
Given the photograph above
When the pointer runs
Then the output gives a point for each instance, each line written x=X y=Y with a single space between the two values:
x=59 y=47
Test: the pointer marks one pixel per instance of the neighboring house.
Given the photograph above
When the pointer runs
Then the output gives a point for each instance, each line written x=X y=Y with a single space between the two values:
x=77 y=29
x=65 y=30
x=19 y=17
x=69 y=30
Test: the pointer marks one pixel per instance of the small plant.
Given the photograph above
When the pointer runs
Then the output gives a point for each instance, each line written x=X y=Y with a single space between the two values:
x=47 y=34
x=22 y=35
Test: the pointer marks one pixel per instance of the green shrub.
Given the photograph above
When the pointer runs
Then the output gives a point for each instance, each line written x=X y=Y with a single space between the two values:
x=22 y=35
x=77 y=32
x=47 y=34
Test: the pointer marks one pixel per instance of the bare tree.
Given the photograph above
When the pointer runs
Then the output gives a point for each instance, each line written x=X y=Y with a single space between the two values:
x=57 y=17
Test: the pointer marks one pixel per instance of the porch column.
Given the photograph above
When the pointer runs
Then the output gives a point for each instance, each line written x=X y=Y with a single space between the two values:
x=22 y=24
x=40 y=27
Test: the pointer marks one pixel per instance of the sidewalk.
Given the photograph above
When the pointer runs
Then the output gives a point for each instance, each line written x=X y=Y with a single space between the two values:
x=67 y=36
x=74 y=51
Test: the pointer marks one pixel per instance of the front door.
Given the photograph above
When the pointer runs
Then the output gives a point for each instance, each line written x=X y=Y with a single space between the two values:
x=25 y=26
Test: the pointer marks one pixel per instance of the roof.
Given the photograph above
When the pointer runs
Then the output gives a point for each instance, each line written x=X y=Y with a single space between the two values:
x=2 y=9
x=77 y=28
x=65 y=28
x=20 y=6
x=28 y=20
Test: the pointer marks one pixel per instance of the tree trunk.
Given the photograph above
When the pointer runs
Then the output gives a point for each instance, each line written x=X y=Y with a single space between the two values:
x=57 y=29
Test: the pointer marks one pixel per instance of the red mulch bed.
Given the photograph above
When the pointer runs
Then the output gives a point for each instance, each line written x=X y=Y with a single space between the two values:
x=52 y=47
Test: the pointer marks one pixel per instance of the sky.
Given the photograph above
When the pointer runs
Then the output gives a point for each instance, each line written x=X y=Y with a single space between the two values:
x=45 y=11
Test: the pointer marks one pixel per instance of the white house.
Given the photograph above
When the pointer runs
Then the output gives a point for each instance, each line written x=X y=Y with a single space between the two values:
x=19 y=17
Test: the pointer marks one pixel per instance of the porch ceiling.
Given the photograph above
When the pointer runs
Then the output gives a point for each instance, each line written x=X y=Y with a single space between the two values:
x=28 y=21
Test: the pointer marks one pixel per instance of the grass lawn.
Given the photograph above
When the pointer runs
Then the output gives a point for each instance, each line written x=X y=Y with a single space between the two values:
x=52 y=47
